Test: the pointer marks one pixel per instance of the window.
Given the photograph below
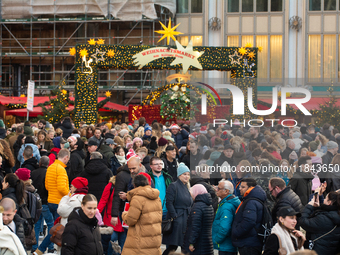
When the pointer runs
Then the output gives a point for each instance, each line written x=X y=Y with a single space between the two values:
x=197 y=40
x=329 y=5
x=276 y=5
x=329 y=57
x=182 y=6
x=183 y=40
x=247 y=6
x=315 y=5
x=232 y=41
x=247 y=39
x=261 y=5
x=275 y=58
x=233 y=6
x=314 y=58
x=196 y=6
x=262 y=58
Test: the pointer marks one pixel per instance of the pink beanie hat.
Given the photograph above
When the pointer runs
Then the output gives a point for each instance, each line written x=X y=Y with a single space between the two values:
x=198 y=189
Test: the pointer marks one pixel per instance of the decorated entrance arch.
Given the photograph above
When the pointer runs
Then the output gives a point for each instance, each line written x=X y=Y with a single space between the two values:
x=242 y=62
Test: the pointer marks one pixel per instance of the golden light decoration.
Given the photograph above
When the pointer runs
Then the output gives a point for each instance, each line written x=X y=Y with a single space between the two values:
x=168 y=32
x=92 y=41
x=72 y=51
x=22 y=95
x=64 y=91
x=288 y=94
x=100 y=41
x=260 y=48
x=242 y=51
x=108 y=94
x=110 y=53
x=251 y=55
x=248 y=45
x=83 y=53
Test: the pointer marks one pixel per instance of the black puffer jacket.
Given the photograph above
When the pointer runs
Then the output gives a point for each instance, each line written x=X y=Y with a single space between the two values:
x=10 y=193
x=67 y=128
x=81 y=235
x=19 y=228
x=31 y=164
x=301 y=184
x=98 y=175
x=75 y=167
x=146 y=163
x=199 y=226
x=38 y=181
x=2 y=133
x=209 y=188
x=122 y=181
x=319 y=221
x=286 y=197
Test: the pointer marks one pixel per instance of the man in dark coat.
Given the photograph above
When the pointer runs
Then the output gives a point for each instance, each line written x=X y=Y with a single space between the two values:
x=97 y=174
x=290 y=145
x=256 y=135
x=12 y=220
x=170 y=162
x=178 y=134
x=284 y=196
x=226 y=155
x=97 y=137
x=193 y=158
x=106 y=149
x=30 y=162
x=332 y=149
x=301 y=182
x=76 y=163
x=248 y=218
x=66 y=127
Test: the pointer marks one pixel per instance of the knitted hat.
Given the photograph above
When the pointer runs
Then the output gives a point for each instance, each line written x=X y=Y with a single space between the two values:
x=162 y=141
x=92 y=143
x=332 y=145
x=198 y=189
x=137 y=139
x=79 y=182
x=239 y=133
x=2 y=125
x=123 y=132
x=296 y=135
x=313 y=145
x=23 y=174
x=169 y=138
x=147 y=177
x=225 y=135
x=130 y=127
x=147 y=128
x=182 y=168
x=203 y=130
x=174 y=126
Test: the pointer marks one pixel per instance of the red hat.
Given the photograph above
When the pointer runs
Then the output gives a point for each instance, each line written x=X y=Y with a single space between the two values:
x=147 y=177
x=193 y=135
x=203 y=130
x=174 y=126
x=80 y=182
x=162 y=141
x=23 y=174
x=131 y=154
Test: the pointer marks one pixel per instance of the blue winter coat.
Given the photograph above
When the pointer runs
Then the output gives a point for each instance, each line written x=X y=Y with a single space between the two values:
x=181 y=135
x=36 y=152
x=247 y=219
x=221 y=229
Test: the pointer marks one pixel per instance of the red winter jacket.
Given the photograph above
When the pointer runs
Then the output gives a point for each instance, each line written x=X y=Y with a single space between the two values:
x=105 y=203
x=53 y=155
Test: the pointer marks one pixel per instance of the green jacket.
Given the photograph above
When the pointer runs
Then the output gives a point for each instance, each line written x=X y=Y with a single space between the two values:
x=107 y=152
x=167 y=178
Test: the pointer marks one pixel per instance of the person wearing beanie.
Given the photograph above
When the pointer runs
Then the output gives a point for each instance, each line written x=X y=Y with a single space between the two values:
x=178 y=204
x=178 y=134
x=23 y=174
x=137 y=142
x=147 y=134
x=201 y=214
x=332 y=149
x=162 y=144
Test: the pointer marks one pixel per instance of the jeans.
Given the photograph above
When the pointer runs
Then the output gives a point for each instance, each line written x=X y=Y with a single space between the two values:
x=47 y=215
x=226 y=253
x=53 y=209
x=117 y=236
x=250 y=250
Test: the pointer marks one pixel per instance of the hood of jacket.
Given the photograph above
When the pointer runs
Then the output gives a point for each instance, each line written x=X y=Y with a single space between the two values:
x=80 y=153
x=144 y=191
x=95 y=166
x=104 y=148
x=56 y=142
x=256 y=192
x=34 y=147
x=235 y=201
x=205 y=198
x=78 y=214
x=67 y=124
x=31 y=161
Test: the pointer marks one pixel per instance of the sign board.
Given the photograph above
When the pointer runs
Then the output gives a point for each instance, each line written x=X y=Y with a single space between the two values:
x=30 y=95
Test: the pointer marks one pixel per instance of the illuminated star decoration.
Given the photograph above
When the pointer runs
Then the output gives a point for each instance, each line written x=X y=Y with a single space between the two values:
x=242 y=51
x=64 y=91
x=260 y=48
x=72 y=51
x=98 y=52
x=235 y=58
x=108 y=94
x=92 y=41
x=168 y=32
x=100 y=41
x=251 y=55
x=83 y=53
x=248 y=45
x=186 y=64
x=110 y=53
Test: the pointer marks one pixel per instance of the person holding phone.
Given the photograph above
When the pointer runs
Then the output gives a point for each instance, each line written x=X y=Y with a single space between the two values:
x=321 y=223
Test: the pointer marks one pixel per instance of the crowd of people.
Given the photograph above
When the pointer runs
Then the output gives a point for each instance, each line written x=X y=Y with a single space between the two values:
x=128 y=188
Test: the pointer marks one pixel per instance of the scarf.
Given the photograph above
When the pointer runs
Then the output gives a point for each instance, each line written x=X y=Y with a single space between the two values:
x=245 y=194
x=286 y=238
x=121 y=160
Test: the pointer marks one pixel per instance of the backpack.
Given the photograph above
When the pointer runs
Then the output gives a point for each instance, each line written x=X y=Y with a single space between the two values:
x=34 y=205
x=266 y=224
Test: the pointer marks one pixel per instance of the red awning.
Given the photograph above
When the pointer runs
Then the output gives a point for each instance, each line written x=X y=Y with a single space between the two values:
x=36 y=111
x=11 y=100
x=114 y=107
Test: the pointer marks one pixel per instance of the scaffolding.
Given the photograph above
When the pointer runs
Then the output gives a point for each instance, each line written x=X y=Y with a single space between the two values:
x=37 y=48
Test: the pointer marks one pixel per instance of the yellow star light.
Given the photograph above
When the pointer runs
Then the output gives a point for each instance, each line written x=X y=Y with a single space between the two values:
x=168 y=32
x=100 y=41
x=260 y=48
x=92 y=41
x=83 y=52
x=242 y=51
x=110 y=53
x=64 y=91
x=249 y=45
x=72 y=51
x=108 y=94
x=251 y=55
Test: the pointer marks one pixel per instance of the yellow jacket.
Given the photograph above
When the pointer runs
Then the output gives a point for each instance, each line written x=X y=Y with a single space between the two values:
x=56 y=182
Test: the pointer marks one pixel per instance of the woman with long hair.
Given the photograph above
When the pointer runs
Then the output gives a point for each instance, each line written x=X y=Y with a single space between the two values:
x=8 y=161
x=89 y=132
x=13 y=188
x=44 y=143
x=321 y=223
x=284 y=233
x=118 y=160
x=81 y=234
